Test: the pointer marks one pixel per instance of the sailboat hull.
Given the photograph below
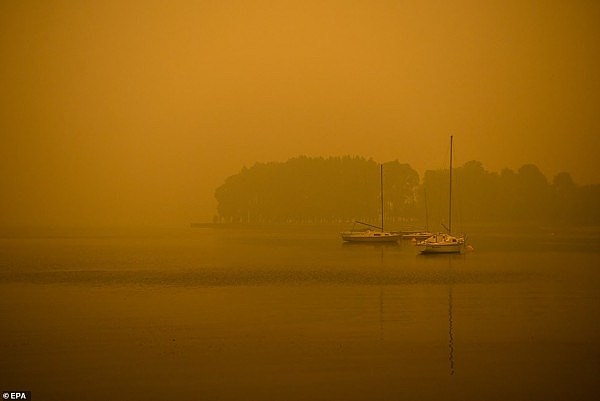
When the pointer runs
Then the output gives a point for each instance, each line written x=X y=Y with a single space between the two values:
x=417 y=236
x=441 y=248
x=369 y=236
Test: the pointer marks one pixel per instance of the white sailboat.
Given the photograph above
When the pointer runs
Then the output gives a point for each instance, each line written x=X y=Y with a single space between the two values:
x=369 y=235
x=442 y=242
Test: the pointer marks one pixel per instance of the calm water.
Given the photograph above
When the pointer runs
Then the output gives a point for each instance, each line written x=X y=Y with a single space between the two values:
x=294 y=314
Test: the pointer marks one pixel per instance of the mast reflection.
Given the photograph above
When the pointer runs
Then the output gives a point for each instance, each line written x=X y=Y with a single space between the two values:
x=450 y=332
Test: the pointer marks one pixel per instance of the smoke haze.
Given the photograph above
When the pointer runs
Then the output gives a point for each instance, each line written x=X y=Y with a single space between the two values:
x=129 y=113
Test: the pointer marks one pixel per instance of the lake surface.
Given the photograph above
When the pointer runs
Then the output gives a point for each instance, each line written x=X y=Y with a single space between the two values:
x=294 y=314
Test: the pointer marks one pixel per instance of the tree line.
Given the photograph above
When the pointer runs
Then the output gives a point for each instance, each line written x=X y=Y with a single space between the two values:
x=343 y=189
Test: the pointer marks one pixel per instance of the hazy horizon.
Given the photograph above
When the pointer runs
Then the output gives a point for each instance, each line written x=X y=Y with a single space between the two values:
x=134 y=113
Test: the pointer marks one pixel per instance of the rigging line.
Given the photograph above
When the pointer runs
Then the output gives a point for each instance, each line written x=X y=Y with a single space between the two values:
x=458 y=205
x=444 y=189
x=438 y=199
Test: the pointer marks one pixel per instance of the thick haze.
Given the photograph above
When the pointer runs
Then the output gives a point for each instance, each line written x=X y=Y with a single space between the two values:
x=133 y=112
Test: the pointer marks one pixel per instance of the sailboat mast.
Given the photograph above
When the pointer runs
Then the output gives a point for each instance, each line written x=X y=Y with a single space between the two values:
x=381 y=186
x=426 y=211
x=450 y=192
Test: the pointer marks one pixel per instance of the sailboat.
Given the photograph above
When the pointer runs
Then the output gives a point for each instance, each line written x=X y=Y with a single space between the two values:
x=442 y=242
x=369 y=235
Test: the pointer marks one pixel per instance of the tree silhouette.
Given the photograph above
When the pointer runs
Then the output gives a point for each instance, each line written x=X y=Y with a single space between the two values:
x=342 y=189
x=317 y=190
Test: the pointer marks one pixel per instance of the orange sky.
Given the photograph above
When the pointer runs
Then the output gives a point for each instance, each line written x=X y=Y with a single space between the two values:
x=133 y=112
